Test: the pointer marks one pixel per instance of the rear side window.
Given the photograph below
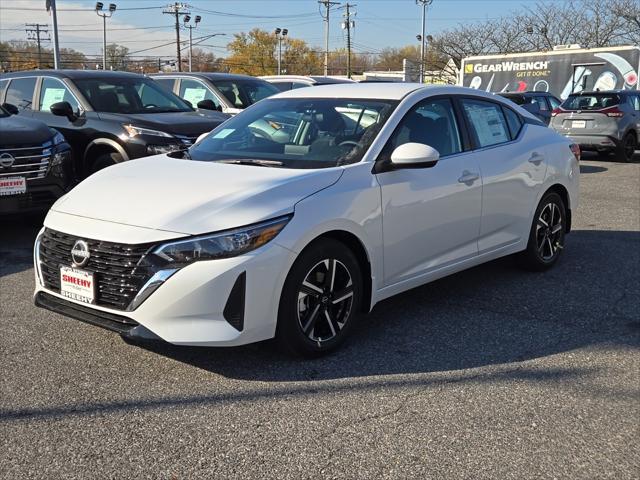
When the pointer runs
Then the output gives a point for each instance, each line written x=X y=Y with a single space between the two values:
x=513 y=121
x=282 y=86
x=555 y=103
x=20 y=92
x=487 y=122
x=541 y=103
x=635 y=101
x=194 y=92
x=595 y=101
x=166 y=83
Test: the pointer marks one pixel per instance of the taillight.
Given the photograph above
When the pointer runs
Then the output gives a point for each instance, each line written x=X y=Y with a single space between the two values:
x=556 y=111
x=575 y=149
x=613 y=112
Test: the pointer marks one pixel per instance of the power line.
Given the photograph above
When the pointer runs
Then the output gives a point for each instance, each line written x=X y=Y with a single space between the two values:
x=34 y=32
x=177 y=9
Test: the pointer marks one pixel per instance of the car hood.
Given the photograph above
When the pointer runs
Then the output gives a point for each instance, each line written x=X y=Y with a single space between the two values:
x=20 y=131
x=191 y=197
x=191 y=124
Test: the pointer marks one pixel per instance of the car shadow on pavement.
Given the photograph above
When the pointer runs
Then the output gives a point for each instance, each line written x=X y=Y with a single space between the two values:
x=592 y=169
x=492 y=314
x=17 y=235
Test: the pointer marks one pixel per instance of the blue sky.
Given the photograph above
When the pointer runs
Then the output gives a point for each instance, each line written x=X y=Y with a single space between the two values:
x=379 y=23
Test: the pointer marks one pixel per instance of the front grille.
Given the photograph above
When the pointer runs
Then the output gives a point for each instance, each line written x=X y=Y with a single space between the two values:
x=118 y=275
x=30 y=162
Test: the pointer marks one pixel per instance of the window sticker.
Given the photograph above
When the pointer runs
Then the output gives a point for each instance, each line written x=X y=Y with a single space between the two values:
x=51 y=96
x=224 y=133
x=194 y=95
x=488 y=125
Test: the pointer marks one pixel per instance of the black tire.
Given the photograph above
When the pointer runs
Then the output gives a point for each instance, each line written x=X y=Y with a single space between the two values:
x=304 y=305
x=626 y=148
x=546 y=237
x=104 y=161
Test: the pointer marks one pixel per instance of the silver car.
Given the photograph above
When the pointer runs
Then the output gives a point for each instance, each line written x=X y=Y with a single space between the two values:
x=601 y=121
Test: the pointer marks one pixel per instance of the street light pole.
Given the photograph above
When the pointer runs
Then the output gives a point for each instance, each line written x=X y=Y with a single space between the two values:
x=423 y=39
x=104 y=15
x=280 y=34
x=187 y=18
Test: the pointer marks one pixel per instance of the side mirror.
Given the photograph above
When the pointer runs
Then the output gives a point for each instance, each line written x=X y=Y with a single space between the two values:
x=63 y=109
x=414 y=155
x=207 y=104
x=11 y=108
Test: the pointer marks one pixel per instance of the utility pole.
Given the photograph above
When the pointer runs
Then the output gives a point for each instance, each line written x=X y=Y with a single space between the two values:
x=347 y=25
x=425 y=4
x=327 y=5
x=187 y=18
x=33 y=33
x=51 y=8
x=177 y=9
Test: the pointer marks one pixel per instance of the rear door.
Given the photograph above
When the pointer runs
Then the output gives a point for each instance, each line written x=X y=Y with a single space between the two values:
x=512 y=164
x=21 y=93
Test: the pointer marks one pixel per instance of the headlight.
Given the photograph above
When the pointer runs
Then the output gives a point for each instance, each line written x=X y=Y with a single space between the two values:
x=58 y=138
x=134 y=131
x=221 y=245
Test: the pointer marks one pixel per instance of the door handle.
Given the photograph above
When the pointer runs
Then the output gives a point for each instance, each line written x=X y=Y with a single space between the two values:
x=536 y=158
x=468 y=177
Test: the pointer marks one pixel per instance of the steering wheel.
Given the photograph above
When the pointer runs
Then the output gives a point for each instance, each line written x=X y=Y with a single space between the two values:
x=347 y=143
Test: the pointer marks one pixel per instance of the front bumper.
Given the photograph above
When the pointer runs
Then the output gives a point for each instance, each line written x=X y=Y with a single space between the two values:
x=192 y=306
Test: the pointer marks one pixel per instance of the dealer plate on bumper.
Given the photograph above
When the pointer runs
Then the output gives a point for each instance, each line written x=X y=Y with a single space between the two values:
x=13 y=186
x=77 y=284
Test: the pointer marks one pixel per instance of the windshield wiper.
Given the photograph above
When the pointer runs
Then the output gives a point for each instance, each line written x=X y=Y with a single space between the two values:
x=253 y=161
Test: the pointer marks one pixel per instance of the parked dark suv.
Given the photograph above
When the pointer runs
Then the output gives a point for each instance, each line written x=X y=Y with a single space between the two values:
x=543 y=103
x=107 y=117
x=35 y=164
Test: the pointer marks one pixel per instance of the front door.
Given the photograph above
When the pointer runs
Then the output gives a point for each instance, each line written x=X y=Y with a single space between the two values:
x=431 y=216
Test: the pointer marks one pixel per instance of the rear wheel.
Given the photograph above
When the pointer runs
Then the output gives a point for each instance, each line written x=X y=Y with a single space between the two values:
x=546 y=238
x=626 y=148
x=320 y=299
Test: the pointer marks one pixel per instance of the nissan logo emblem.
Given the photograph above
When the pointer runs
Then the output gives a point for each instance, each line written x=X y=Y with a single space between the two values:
x=6 y=160
x=80 y=253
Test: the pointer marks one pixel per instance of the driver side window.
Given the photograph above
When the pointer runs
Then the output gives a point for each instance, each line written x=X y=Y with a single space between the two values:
x=430 y=122
x=194 y=92
x=54 y=91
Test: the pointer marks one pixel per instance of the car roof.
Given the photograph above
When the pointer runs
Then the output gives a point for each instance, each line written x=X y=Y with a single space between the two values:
x=318 y=79
x=385 y=91
x=605 y=92
x=206 y=75
x=73 y=74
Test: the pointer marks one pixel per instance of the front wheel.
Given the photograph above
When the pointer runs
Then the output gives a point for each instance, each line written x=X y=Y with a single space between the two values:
x=320 y=299
x=104 y=161
x=546 y=238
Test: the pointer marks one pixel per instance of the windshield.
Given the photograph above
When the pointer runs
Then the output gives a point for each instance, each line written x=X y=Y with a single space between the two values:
x=298 y=132
x=242 y=93
x=129 y=95
x=595 y=101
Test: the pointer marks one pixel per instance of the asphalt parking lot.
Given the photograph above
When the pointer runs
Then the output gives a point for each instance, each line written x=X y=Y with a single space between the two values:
x=490 y=373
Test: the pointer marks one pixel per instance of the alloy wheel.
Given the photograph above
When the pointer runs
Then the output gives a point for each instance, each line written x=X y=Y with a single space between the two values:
x=549 y=232
x=325 y=300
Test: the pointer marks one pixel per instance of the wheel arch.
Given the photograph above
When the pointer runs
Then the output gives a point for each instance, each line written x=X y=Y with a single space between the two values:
x=100 y=146
x=358 y=248
x=566 y=199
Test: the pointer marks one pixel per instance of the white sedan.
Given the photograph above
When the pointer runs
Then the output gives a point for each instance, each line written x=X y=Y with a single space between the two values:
x=304 y=210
